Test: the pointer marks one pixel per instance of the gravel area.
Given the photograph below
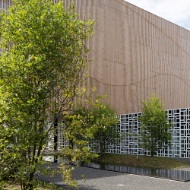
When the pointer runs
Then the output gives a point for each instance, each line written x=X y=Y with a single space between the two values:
x=107 y=180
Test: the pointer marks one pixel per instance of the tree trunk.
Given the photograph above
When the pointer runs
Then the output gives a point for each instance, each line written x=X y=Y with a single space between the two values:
x=27 y=186
x=152 y=150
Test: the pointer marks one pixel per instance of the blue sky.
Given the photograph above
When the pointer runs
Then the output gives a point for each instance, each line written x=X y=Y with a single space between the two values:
x=176 y=11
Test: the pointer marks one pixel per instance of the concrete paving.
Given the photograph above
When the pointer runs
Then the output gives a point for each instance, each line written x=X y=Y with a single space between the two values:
x=107 y=180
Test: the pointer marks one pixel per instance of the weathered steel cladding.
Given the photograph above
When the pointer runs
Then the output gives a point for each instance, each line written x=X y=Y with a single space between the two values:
x=135 y=54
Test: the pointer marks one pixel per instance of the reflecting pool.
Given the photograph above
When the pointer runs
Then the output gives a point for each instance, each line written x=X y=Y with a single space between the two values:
x=178 y=175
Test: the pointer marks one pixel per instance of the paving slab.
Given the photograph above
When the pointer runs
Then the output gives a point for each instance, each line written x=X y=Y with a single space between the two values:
x=108 y=180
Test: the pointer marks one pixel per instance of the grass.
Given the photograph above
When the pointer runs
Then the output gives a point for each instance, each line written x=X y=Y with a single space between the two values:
x=13 y=186
x=141 y=161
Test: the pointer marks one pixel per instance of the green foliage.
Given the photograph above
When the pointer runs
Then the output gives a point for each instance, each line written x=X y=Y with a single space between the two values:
x=107 y=132
x=155 y=126
x=99 y=124
x=41 y=66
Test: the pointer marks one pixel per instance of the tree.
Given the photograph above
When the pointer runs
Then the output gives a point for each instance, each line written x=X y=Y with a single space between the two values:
x=155 y=126
x=99 y=121
x=107 y=132
x=41 y=66
x=81 y=129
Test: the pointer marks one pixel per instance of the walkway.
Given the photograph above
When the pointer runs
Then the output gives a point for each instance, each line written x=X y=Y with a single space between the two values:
x=107 y=180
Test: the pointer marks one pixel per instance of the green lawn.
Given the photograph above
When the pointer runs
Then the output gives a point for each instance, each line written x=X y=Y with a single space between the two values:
x=9 y=186
x=141 y=161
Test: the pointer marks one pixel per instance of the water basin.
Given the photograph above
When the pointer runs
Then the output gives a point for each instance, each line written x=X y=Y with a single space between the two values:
x=178 y=175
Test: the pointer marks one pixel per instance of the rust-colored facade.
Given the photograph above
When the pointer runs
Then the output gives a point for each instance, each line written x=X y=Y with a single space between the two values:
x=135 y=54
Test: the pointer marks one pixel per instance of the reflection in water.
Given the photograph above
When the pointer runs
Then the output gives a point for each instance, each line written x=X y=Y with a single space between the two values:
x=178 y=175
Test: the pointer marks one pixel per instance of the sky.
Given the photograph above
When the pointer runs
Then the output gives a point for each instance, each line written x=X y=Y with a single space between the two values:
x=176 y=11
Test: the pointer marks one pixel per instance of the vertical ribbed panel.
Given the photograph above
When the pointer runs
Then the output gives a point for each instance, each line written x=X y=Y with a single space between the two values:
x=4 y=4
x=135 y=54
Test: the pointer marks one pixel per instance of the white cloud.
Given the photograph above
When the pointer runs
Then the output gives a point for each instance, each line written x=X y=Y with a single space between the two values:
x=175 y=11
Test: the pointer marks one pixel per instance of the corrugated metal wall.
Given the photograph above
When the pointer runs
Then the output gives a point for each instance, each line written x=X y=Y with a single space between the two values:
x=135 y=54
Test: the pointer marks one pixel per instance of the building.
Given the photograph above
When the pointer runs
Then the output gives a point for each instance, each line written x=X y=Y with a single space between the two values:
x=134 y=54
